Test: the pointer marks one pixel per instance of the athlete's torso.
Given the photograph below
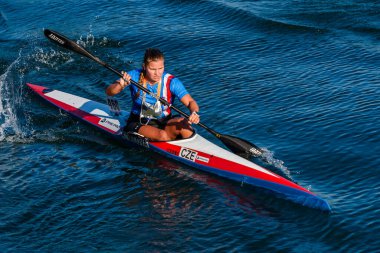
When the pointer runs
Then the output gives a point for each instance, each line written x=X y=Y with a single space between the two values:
x=171 y=88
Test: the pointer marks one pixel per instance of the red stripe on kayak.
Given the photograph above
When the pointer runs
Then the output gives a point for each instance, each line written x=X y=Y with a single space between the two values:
x=202 y=158
x=230 y=166
x=70 y=109
x=36 y=88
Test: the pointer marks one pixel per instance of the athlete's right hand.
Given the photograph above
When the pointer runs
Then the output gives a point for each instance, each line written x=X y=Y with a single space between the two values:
x=125 y=81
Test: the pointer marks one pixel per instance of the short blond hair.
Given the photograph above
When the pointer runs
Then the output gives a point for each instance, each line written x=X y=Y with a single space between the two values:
x=152 y=54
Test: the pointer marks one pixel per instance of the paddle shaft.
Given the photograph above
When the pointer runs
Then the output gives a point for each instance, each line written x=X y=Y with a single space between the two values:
x=69 y=44
x=236 y=144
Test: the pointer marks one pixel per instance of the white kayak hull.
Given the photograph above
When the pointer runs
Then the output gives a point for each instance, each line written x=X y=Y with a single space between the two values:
x=195 y=151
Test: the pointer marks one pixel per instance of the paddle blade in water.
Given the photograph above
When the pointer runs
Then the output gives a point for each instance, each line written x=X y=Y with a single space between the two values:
x=240 y=146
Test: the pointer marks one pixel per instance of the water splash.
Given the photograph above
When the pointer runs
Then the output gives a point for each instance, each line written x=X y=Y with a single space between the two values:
x=15 y=121
x=9 y=97
x=89 y=40
x=51 y=58
x=268 y=157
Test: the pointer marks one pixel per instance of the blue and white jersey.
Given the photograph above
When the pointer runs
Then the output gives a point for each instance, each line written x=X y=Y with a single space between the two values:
x=171 y=88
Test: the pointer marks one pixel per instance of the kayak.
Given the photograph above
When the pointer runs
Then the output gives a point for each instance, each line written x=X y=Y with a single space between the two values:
x=195 y=151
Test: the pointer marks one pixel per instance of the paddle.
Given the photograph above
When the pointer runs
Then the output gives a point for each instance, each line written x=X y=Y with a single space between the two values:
x=235 y=144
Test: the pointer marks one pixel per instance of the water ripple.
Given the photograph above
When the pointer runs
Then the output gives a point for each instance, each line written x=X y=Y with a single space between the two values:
x=299 y=79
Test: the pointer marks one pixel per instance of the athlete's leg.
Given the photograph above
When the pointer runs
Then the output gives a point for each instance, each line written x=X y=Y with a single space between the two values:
x=178 y=126
x=154 y=133
x=175 y=127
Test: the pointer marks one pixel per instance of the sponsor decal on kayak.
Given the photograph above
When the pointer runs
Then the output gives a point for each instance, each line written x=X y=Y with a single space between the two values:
x=203 y=159
x=192 y=155
x=109 y=124
x=188 y=154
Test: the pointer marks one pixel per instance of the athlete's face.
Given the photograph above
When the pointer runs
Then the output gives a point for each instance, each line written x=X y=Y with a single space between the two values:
x=154 y=70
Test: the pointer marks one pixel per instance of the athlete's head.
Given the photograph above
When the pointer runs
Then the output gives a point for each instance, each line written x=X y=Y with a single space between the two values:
x=153 y=65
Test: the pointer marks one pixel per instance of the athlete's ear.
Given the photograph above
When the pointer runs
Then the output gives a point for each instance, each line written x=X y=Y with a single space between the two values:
x=143 y=66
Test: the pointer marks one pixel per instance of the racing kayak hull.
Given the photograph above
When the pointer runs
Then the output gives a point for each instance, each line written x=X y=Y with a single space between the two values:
x=195 y=151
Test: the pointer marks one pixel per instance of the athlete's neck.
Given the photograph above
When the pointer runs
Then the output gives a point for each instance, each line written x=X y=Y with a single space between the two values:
x=151 y=82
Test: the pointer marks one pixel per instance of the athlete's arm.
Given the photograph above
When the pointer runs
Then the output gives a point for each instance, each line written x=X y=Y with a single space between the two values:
x=193 y=107
x=118 y=85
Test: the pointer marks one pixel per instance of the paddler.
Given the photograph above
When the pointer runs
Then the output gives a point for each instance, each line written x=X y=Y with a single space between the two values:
x=149 y=117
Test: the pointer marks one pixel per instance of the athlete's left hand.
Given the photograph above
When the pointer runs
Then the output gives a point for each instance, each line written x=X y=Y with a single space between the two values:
x=194 y=118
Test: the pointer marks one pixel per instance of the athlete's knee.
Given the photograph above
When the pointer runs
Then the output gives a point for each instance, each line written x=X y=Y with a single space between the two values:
x=182 y=123
x=164 y=136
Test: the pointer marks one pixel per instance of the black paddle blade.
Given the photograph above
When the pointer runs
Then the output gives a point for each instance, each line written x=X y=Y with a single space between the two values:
x=240 y=146
x=69 y=44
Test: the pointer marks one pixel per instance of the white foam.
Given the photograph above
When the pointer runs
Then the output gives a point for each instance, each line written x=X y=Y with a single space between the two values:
x=268 y=157
x=8 y=118
x=51 y=58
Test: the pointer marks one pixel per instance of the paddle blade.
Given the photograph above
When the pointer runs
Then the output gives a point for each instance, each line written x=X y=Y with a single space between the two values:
x=240 y=146
x=69 y=44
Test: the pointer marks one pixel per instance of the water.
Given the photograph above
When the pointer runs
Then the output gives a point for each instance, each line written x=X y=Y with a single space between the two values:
x=297 y=78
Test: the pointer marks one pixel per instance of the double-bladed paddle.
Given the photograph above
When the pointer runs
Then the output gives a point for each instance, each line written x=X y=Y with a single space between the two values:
x=235 y=144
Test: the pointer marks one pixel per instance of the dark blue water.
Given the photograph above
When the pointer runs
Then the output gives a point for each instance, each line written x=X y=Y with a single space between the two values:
x=299 y=79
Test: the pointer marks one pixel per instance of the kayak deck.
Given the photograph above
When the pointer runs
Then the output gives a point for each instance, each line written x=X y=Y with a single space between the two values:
x=195 y=151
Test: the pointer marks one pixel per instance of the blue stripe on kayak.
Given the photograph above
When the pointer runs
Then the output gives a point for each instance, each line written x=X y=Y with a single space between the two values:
x=297 y=196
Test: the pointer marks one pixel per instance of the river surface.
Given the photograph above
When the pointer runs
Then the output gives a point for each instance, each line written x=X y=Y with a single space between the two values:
x=300 y=79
